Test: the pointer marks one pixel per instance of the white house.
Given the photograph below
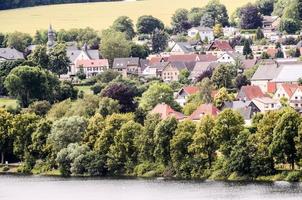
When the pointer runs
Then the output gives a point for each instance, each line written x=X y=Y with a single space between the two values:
x=266 y=104
x=229 y=57
x=204 y=32
x=92 y=67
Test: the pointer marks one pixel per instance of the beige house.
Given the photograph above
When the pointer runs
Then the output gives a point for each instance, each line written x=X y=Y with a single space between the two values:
x=127 y=66
x=172 y=70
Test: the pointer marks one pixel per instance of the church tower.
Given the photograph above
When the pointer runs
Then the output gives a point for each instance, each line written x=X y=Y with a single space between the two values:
x=51 y=37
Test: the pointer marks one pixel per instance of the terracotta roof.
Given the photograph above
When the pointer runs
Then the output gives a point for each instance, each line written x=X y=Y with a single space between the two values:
x=207 y=58
x=190 y=89
x=155 y=60
x=271 y=52
x=289 y=88
x=204 y=109
x=250 y=92
x=183 y=58
x=271 y=87
x=165 y=111
x=92 y=63
x=248 y=63
x=220 y=45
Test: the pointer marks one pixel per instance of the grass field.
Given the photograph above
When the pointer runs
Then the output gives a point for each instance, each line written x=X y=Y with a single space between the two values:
x=8 y=102
x=85 y=89
x=95 y=15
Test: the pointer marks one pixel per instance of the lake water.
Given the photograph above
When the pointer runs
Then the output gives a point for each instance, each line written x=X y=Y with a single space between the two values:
x=50 y=188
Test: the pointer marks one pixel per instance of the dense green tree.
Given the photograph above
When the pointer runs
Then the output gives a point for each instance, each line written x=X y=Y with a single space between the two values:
x=180 y=156
x=5 y=140
x=145 y=142
x=228 y=125
x=206 y=89
x=247 y=51
x=159 y=41
x=114 y=45
x=250 y=17
x=259 y=34
x=147 y=24
x=183 y=77
x=265 y=7
x=66 y=131
x=108 y=106
x=203 y=146
x=94 y=128
x=58 y=59
x=283 y=143
x=31 y=83
x=195 y=15
x=289 y=25
x=40 y=37
x=5 y=69
x=180 y=22
x=123 y=152
x=217 y=12
x=125 y=25
x=40 y=57
x=40 y=108
x=157 y=93
x=23 y=126
x=141 y=51
x=163 y=133
x=19 y=40
x=222 y=76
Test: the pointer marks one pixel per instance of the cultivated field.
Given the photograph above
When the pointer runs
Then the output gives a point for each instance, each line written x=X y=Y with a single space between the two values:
x=96 y=15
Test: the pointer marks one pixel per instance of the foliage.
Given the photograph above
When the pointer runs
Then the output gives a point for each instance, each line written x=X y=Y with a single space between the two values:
x=250 y=17
x=159 y=41
x=58 y=60
x=141 y=51
x=18 y=40
x=108 y=106
x=125 y=25
x=147 y=24
x=179 y=21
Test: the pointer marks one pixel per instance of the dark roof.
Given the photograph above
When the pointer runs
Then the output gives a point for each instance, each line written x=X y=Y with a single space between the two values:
x=185 y=47
x=74 y=53
x=221 y=45
x=125 y=62
x=179 y=65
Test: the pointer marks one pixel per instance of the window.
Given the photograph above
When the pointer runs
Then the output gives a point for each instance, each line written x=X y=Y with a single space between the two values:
x=273 y=105
x=296 y=105
x=278 y=95
x=296 y=97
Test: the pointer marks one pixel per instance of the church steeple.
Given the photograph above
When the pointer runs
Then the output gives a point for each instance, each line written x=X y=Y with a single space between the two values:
x=51 y=37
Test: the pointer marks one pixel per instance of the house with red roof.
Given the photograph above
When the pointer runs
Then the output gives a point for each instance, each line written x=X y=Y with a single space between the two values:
x=291 y=92
x=249 y=92
x=219 y=47
x=183 y=94
x=92 y=67
x=204 y=109
x=183 y=58
x=165 y=111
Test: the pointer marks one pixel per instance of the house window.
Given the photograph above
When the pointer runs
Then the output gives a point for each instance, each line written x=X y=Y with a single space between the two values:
x=296 y=97
x=175 y=73
x=278 y=95
x=272 y=105
x=296 y=105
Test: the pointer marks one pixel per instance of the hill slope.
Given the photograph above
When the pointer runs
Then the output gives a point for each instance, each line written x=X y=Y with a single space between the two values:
x=95 y=15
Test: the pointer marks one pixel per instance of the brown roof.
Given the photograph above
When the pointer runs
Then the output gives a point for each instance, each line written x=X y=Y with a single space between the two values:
x=165 y=111
x=183 y=58
x=251 y=92
x=248 y=63
x=271 y=52
x=204 y=109
x=220 y=45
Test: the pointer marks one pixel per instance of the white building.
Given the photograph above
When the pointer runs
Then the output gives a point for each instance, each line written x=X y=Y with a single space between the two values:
x=204 y=32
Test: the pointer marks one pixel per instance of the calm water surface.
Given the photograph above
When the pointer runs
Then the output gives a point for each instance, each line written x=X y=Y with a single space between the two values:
x=49 y=188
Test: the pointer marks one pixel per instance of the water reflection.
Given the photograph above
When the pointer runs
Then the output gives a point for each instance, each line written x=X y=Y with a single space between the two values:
x=55 y=188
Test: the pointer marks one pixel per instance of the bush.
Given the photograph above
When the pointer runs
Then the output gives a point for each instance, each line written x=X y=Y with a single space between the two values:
x=5 y=168
x=294 y=176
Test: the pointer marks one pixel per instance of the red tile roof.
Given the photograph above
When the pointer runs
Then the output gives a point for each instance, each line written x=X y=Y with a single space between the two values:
x=271 y=52
x=221 y=45
x=204 y=109
x=165 y=111
x=250 y=92
x=207 y=58
x=191 y=89
x=157 y=59
x=92 y=63
x=289 y=88
x=183 y=58
x=271 y=87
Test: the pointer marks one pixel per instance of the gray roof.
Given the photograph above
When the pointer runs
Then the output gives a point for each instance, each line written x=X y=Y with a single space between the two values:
x=279 y=71
x=179 y=65
x=122 y=63
x=201 y=67
x=159 y=66
x=74 y=53
x=10 y=54
x=243 y=107
x=267 y=71
x=144 y=63
x=185 y=47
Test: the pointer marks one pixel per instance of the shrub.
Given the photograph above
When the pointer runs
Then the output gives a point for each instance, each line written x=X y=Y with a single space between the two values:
x=294 y=176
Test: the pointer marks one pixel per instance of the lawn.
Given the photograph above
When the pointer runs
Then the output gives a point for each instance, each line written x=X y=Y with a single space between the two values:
x=96 y=15
x=8 y=102
x=85 y=89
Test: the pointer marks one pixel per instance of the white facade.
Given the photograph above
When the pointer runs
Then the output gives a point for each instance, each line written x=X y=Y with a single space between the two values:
x=226 y=58
x=203 y=33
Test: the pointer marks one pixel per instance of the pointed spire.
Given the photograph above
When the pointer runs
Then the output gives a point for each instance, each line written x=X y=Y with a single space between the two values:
x=51 y=37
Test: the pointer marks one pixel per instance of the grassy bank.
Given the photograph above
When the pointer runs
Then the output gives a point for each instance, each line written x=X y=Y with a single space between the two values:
x=96 y=15
x=7 y=102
